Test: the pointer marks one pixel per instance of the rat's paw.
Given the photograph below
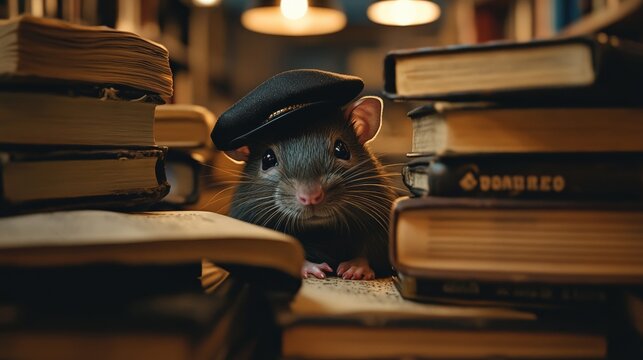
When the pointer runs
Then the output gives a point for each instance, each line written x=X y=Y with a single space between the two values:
x=356 y=269
x=317 y=270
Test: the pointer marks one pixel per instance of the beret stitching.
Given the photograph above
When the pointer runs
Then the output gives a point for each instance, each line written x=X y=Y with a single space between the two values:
x=284 y=110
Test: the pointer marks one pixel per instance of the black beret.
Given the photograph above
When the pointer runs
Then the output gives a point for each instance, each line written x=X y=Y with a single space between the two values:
x=280 y=101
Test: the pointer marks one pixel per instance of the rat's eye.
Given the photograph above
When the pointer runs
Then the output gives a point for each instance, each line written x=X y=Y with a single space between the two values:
x=341 y=150
x=268 y=160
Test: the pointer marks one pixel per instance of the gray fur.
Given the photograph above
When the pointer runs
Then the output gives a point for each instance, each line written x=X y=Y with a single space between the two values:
x=358 y=196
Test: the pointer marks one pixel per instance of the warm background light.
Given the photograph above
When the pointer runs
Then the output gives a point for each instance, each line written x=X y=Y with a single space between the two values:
x=294 y=18
x=403 y=12
x=294 y=9
x=205 y=2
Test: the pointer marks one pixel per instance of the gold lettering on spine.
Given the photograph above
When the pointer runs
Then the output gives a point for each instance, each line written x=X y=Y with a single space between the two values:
x=485 y=183
x=496 y=183
x=532 y=183
x=559 y=183
x=519 y=183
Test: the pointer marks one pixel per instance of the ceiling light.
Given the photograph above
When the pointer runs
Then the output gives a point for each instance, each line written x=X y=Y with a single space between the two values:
x=403 y=12
x=205 y=3
x=294 y=17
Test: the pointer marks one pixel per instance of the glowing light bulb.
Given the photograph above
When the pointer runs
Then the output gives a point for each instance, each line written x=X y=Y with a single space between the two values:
x=205 y=2
x=294 y=9
x=403 y=12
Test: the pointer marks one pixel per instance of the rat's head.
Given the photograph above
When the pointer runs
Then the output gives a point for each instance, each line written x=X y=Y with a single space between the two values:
x=319 y=175
x=303 y=141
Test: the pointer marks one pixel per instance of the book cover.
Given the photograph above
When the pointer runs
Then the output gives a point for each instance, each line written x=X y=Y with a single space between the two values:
x=522 y=295
x=566 y=176
x=602 y=69
x=43 y=178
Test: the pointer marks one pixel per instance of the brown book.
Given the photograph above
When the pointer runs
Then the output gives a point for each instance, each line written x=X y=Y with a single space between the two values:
x=351 y=319
x=514 y=241
x=62 y=52
x=121 y=285
x=601 y=69
x=85 y=237
x=46 y=179
x=51 y=118
x=443 y=128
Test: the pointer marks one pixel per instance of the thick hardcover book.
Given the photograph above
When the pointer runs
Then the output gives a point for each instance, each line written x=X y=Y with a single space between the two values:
x=71 y=179
x=352 y=319
x=602 y=176
x=55 y=50
x=102 y=118
x=514 y=294
x=470 y=128
x=599 y=70
x=518 y=241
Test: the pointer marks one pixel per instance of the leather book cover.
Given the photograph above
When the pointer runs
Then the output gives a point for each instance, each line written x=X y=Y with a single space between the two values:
x=566 y=176
x=615 y=63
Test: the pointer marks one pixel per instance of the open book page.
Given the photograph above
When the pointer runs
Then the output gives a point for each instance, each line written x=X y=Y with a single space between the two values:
x=349 y=319
x=77 y=237
x=335 y=297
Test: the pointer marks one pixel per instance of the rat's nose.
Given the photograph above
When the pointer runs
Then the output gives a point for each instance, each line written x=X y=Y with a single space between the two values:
x=312 y=195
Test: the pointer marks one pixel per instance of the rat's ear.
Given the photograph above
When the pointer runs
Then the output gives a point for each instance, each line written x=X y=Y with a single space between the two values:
x=239 y=155
x=366 y=116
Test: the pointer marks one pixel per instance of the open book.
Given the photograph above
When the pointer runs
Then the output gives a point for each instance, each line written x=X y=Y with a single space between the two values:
x=83 y=252
x=53 y=49
x=83 y=237
x=82 y=284
x=351 y=319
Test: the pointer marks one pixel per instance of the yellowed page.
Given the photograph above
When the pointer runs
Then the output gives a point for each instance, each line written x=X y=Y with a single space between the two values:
x=79 y=237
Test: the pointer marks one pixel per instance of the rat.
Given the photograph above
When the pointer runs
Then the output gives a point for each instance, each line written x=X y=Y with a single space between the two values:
x=320 y=182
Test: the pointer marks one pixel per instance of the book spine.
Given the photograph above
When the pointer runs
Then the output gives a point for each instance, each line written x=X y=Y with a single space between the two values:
x=567 y=178
x=526 y=294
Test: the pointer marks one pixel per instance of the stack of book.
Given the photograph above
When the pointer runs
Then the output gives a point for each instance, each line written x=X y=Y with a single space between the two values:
x=77 y=116
x=99 y=284
x=526 y=168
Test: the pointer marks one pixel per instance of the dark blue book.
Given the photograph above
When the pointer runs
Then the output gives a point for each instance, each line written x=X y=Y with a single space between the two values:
x=580 y=176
